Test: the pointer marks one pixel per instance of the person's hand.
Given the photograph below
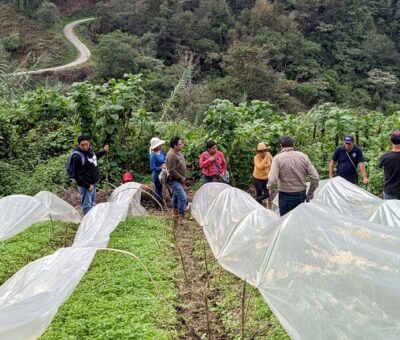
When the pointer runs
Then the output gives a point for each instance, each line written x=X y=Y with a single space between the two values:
x=163 y=166
x=91 y=187
x=213 y=158
x=309 y=197
x=271 y=194
x=106 y=148
x=365 y=180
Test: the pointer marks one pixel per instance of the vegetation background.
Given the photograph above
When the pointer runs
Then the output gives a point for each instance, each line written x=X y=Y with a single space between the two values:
x=237 y=71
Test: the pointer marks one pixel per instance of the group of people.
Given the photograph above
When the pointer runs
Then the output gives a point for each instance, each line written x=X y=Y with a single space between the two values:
x=286 y=173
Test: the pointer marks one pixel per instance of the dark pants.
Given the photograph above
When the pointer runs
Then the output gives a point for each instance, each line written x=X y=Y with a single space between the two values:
x=158 y=186
x=290 y=200
x=209 y=179
x=261 y=189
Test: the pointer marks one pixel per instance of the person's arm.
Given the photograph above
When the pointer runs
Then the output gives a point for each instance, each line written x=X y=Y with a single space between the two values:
x=204 y=161
x=333 y=161
x=273 y=176
x=363 y=173
x=224 y=164
x=314 y=178
x=172 y=164
x=101 y=153
x=153 y=161
x=362 y=168
x=260 y=164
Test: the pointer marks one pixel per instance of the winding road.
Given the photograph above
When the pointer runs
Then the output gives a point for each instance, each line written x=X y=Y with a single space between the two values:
x=84 y=53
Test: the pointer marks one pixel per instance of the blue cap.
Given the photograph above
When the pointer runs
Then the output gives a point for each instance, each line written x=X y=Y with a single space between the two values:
x=348 y=139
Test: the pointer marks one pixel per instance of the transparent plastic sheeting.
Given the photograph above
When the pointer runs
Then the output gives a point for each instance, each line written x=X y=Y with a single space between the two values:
x=325 y=272
x=30 y=299
x=18 y=212
x=129 y=193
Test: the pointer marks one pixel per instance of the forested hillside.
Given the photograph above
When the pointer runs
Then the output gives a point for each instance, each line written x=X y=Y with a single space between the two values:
x=235 y=71
x=294 y=53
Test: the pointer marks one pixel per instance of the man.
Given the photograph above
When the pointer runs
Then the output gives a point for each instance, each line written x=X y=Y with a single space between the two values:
x=86 y=171
x=348 y=156
x=390 y=162
x=288 y=171
x=176 y=166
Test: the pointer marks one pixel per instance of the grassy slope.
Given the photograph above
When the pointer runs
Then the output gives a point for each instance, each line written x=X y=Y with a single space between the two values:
x=39 y=240
x=116 y=299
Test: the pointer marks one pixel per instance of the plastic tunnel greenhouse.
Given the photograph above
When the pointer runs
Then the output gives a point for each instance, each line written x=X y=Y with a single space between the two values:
x=328 y=269
x=30 y=298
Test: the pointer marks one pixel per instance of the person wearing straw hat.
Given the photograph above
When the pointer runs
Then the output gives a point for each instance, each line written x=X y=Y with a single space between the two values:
x=157 y=163
x=262 y=165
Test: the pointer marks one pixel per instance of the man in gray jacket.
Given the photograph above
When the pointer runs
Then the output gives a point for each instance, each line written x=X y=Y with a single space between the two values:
x=289 y=170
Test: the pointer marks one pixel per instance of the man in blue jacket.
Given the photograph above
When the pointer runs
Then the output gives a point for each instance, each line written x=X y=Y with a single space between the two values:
x=86 y=171
x=348 y=157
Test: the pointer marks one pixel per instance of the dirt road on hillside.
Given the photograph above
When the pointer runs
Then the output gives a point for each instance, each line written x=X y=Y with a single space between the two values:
x=83 y=52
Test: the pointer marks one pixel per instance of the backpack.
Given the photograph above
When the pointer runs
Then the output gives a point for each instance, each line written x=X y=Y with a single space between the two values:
x=70 y=163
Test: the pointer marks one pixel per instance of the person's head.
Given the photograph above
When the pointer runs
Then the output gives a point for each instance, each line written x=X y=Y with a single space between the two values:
x=156 y=144
x=212 y=147
x=262 y=148
x=348 y=143
x=176 y=143
x=395 y=137
x=83 y=142
x=127 y=177
x=286 y=142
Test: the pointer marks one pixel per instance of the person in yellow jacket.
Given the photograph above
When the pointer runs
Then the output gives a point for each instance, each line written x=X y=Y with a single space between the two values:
x=262 y=165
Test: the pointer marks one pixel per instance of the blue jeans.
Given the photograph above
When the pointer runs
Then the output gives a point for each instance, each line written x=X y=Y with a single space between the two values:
x=290 y=200
x=87 y=198
x=157 y=185
x=179 y=197
x=390 y=197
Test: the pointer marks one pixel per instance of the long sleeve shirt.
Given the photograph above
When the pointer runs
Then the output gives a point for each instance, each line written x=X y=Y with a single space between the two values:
x=156 y=160
x=262 y=166
x=289 y=171
x=212 y=168
x=87 y=173
x=176 y=165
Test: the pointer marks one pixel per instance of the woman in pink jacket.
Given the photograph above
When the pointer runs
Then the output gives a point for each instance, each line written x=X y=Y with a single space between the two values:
x=212 y=163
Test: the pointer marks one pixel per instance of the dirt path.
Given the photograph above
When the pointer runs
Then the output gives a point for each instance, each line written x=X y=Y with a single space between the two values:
x=83 y=52
x=197 y=316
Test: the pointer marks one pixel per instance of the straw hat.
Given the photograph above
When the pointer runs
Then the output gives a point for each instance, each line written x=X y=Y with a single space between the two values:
x=262 y=146
x=155 y=142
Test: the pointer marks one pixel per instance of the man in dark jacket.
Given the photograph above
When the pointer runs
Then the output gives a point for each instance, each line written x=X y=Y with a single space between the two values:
x=86 y=171
x=390 y=162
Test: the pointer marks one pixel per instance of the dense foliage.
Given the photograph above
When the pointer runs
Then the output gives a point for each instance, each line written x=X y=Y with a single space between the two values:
x=39 y=130
x=294 y=53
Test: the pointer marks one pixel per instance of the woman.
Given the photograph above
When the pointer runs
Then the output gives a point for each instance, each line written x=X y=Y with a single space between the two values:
x=212 y=163
x=157 y=163
x=262 y=165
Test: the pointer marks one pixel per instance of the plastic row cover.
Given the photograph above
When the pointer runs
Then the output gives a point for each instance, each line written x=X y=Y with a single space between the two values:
x=18 y=212
x=129 y=193
x=324 y=273
x=30 y=299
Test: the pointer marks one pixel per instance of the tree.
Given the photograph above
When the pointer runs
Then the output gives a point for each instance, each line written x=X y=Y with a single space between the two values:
x=47 y=14
x=116 y=55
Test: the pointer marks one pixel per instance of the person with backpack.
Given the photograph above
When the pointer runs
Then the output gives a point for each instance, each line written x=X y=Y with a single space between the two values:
x=212 y=164
x=83 y=167
x=348 y=157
